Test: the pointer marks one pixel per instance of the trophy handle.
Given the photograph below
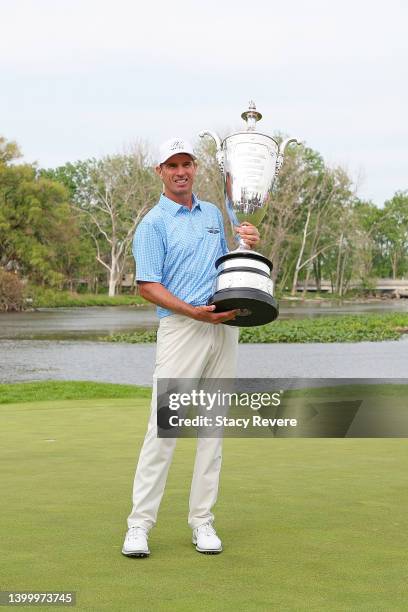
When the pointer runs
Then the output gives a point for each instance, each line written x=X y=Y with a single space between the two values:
x=219 y=154
x=281 y=153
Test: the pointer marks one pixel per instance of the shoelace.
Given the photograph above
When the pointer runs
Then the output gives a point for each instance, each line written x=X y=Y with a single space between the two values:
x=135 y=532
x=207 y=528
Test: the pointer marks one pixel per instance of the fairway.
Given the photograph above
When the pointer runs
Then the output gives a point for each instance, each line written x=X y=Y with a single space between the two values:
x=306 y=524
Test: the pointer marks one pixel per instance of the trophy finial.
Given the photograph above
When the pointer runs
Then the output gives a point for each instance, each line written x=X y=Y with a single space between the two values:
x=251 y=116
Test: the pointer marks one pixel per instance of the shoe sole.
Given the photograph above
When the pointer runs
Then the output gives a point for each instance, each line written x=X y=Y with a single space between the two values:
x=205 y=551
x=209 y=552
x=139 y=555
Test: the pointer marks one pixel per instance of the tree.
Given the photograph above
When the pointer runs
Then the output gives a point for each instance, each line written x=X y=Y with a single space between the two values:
x=110 y=196
x=366 y=220
x=35 y=220
x=287 y=213
x=9 y=151
x=329 y=197
x=394 y=233
x=11 y=291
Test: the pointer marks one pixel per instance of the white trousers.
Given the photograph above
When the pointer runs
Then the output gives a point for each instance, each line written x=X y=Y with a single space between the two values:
x=185 y=349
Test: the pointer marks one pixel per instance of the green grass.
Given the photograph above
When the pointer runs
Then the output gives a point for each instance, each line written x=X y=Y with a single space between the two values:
x=344 y=328
x=136 y=337
x=65 y=390
x=306 y=524
x=51 y=298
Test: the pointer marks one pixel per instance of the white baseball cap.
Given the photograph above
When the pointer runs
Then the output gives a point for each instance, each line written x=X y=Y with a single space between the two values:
x=172 y=147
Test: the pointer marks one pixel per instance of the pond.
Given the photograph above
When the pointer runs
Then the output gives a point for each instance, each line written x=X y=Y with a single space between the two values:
x=92 y=322
x=28 y=360
x=58 y=344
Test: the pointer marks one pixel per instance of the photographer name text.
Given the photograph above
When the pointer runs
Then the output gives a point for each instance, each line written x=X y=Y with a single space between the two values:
x=223 y=421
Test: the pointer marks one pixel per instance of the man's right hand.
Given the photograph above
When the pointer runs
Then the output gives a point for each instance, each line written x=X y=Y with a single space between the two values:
x=207 y=315
x=158 y=294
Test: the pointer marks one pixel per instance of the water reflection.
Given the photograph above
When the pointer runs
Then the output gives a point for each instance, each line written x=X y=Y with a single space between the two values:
x=28 y=360
x=93 y=322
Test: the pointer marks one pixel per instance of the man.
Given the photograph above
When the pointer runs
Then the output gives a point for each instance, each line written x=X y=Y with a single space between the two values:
x=175 y=248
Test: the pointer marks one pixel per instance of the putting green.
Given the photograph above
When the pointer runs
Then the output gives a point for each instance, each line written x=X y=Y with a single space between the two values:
x=307 y=524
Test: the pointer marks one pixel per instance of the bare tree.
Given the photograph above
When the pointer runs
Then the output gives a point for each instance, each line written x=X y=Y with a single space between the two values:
x=328 y=194
x=286 y=207
x=112 y=196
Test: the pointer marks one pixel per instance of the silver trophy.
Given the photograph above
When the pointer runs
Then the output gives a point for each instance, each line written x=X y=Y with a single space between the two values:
x=250 y=162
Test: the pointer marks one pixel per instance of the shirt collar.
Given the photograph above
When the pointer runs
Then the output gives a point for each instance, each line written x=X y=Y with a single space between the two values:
x=173 y=208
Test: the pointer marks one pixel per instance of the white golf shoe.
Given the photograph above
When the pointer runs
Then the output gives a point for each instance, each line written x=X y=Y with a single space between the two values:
x=135 y=544
x=206 y=539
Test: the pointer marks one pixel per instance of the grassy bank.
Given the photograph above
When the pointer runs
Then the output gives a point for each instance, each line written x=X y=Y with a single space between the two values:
x=49 y=298
x=306 y=524
x=68 y=390
x=344 y=328
x=39 y=297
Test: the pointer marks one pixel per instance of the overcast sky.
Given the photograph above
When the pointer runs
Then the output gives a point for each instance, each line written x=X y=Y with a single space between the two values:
x=86 y=78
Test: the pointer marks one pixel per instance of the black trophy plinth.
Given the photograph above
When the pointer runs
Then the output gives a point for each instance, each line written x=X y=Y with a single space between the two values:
x=243 y=281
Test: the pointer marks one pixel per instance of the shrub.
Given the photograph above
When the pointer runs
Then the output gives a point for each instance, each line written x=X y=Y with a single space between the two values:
x=11 y=291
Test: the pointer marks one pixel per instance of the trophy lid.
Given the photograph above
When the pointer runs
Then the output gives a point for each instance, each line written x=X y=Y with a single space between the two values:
x=251 y=116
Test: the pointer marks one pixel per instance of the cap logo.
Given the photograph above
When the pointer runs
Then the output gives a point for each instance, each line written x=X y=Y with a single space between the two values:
x=177 y=144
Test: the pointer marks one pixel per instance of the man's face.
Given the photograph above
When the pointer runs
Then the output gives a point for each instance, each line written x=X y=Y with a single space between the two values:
x=177 y=174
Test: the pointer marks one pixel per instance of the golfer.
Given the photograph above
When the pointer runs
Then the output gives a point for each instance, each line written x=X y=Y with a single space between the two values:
x=175 y=248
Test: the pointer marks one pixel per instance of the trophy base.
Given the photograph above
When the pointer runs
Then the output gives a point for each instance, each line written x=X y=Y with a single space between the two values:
x=257 y=307
x=243 y=282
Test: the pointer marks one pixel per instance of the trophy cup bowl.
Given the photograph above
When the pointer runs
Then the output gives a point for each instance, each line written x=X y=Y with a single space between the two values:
x=250 y=162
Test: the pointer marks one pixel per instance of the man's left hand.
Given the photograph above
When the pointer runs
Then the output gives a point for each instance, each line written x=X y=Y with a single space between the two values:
x=249 y=233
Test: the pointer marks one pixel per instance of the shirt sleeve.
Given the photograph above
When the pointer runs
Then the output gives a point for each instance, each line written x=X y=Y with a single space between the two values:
x=224 y=245
x=149 y=253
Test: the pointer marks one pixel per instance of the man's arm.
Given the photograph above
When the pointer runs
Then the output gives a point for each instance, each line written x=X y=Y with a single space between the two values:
x=159 y=295
x=156 y=293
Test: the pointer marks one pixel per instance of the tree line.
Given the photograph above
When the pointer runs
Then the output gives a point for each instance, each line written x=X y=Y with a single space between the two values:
x=75 y=223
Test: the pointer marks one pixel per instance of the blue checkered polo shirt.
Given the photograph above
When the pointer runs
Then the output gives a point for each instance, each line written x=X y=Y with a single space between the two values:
x=178 y=247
